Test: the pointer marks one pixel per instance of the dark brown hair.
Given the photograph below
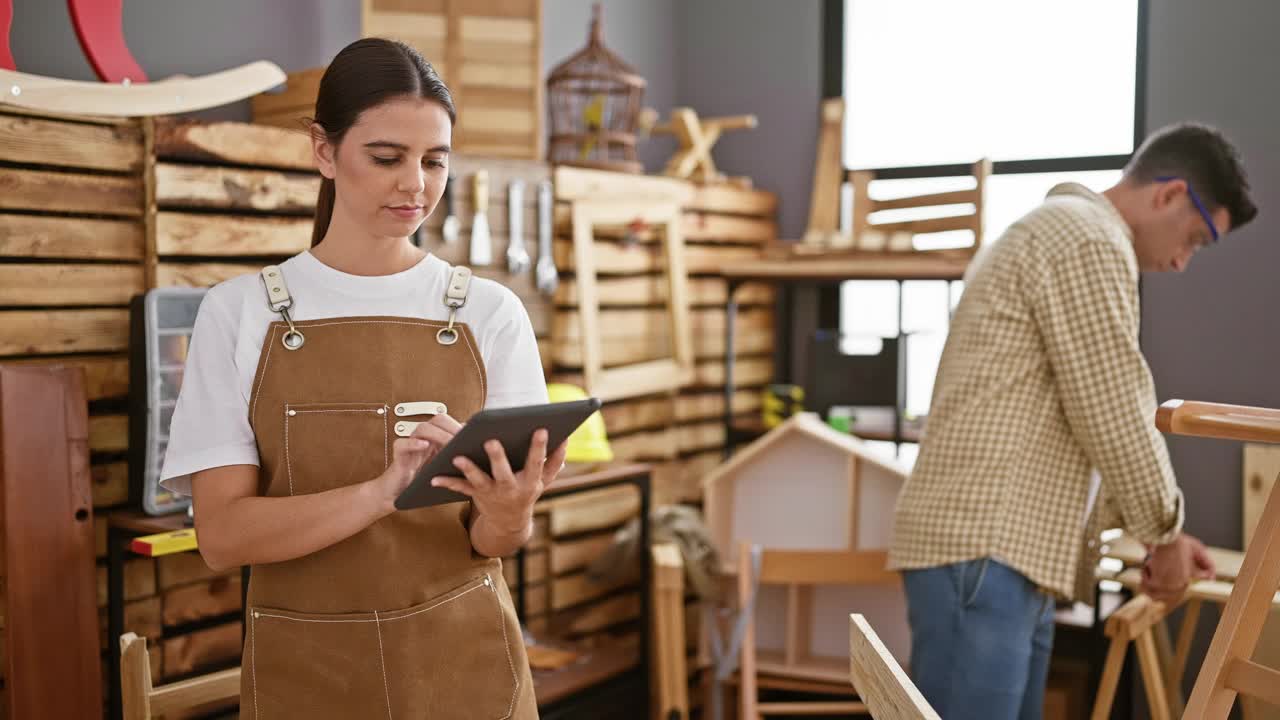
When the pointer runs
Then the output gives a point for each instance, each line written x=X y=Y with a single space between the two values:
x=363 y=75
x=1202 y=156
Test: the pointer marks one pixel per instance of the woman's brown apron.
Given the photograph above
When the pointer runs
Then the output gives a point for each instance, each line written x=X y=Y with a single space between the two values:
x=403 y=619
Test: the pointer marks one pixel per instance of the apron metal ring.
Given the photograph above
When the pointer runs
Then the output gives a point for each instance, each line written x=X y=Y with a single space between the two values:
x=447 y=336
x=293 y=340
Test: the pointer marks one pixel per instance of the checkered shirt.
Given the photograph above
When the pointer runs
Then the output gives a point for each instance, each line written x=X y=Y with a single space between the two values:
x=1041 y=384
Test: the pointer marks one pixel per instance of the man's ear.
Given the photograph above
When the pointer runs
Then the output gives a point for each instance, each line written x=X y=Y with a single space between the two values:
x=323 y=151
x=1168 y=192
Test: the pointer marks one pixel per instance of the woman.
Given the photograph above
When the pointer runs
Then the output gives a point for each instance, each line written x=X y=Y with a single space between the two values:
x=295 y=431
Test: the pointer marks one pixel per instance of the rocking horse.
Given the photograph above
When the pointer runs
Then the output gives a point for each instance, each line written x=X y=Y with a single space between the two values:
x=125 y=89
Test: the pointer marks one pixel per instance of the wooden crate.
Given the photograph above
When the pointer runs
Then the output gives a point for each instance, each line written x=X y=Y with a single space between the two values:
x=683 y=431
x=489 y=53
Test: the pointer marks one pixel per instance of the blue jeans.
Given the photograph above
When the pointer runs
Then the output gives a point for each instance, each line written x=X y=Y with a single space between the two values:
x=981 y=636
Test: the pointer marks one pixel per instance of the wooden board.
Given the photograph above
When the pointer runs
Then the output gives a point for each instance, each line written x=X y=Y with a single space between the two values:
x=569 y=555
x=729 y=199
x=223 y=188
x=51 y=622
x=110 y=484
x=645 y=445
x=206 y=235
x=712 y=228
x=594 y=510
x=182 y=569
x=109 y=433
x=615 y=258
x=139 y=580
x=42 y=141
x=299 y=93
x=70 y=284
x=70 y=192
x=34 y=332
x=169 y=274
x=572 y=183
x=828 y=172
x=575 y=589
x=647 y=323
x=105 y=376
x=708 y=374
x=197 y=601
x=233 y=143
x=38 y=236
x=652 y=290
x=202 y=649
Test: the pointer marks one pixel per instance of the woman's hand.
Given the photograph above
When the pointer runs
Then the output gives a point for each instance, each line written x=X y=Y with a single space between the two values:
x=408 y=454
x=505 y=498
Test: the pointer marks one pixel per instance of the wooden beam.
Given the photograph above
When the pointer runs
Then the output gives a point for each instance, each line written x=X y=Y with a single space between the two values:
x=200 y=274
x=233 y=143
x=70 y=192
x=44 y=332
x=41 y=141
x=953 y=197
x=1249 y=678
x=196 y=186
x=71 y=284
x=207 y=235
x=570 y=555
x=573 y=183
x=732 y=200
x=879 y=679
x=931 y=225
x=205 y=693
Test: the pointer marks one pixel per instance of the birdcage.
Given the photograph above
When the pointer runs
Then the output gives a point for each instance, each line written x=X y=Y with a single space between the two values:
x=594 y=100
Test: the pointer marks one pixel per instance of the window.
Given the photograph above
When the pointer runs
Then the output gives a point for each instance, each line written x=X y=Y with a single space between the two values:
x=1046 y=91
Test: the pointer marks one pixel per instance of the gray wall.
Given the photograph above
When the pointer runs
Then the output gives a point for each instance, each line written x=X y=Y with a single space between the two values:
x=1207 y=333
x=761 y=57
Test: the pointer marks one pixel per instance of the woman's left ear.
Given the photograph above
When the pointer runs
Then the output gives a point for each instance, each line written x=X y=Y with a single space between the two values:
x=322 y=149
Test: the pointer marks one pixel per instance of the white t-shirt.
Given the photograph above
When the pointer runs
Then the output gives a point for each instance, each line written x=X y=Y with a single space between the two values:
x=210 y=426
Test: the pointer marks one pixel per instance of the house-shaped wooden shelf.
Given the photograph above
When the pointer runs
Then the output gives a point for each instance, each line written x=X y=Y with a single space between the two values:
x=807 y=486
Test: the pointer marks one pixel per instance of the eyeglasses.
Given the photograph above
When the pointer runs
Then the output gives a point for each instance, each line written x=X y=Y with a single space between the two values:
x=1195 y=199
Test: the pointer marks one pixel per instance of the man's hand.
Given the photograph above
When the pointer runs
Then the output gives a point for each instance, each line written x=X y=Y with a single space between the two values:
x=1171 y=568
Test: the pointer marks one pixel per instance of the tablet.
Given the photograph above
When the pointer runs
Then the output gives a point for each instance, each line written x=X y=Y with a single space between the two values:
x=513 y=427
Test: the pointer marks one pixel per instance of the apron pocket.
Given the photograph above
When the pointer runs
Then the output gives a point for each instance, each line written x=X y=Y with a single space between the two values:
x=451 y=657
x=313 y=666
x=332 y=445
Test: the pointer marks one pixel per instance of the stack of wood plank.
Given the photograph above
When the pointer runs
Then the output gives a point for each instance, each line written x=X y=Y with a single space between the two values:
x=489 y=52
x=683 y=431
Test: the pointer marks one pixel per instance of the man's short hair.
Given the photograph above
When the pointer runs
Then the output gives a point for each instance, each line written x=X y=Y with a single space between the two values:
x=1202 y=156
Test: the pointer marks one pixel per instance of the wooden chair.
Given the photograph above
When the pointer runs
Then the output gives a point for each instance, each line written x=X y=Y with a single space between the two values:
x=142 y=701
x=799 y=570
x=886 y=689
x=1228 y=669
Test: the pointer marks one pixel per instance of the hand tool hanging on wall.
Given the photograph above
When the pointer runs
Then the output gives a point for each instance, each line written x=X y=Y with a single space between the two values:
x=517 y=256
x=481 y=248
x=450 y=228
x=547 y=276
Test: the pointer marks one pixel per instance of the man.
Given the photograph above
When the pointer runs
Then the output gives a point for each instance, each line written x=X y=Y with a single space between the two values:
x=1041 y=432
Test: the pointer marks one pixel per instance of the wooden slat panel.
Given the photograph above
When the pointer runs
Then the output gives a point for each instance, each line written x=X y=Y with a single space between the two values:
x=110 y=484
x=434 y=7
x=640 y=348
x=105 y=376
x=727 y=228
x=495 y=98
x=584 y=184
x=143 y=617
x=699 y=436
x=637 y=414
x=932 y=225
x=232 y=188
x=200 y=274
x=517 y=31
x=618 y=259
x=70 y=192
x=498 y=75
x=188 y=603
x=39 y=236
x=577 y=588
x=36 y=332
x=204 y=648
x=570 y=555
x=44 y=285
x=503 y=8
x=652 y=290
x=232 y=143
x=41 y=141
x=507 y=122
x=596 y=617
x=496 y=51
x=387 y=23
x=953 y=197
x=109 y=433
x=594 y=510
x=230 y=235
x=300 y=90
x=746 y=372
x=139 y=580
x=723 y=198
x=645 y=445
x=654 y=323
x=182 y=569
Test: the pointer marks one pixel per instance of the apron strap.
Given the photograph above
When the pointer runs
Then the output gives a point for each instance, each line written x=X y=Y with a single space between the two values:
x=455 y=296
x=279 y=300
